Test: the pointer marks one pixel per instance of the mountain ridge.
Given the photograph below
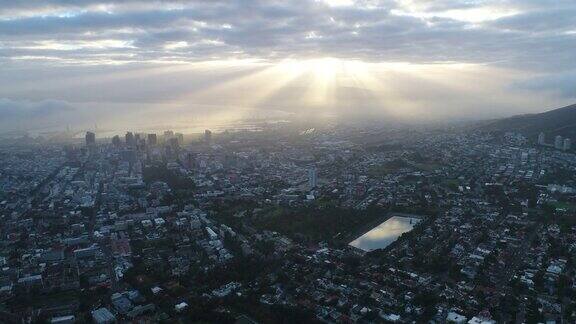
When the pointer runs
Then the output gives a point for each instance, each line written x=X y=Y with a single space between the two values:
x=560 y=121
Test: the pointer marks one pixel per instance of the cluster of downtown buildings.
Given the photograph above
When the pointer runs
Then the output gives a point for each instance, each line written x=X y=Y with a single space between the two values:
x=152 y=228
x=560 y=143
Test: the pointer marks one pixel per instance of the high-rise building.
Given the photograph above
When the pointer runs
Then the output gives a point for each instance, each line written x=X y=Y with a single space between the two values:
x=180 y=138
x=567 y=144
x=129 y=138
x=190 y=160
x=90 y=138
x=152 y=139
x=558 y=142
x=140 y=140
x=168 y=135
x=128 y=155
x=173 y=142
x=207 y=136
x=116 y=140
x=71 y=152
x=312 y=178
x=541 y=139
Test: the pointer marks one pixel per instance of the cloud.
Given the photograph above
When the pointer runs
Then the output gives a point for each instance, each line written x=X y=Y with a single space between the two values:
x=37 y=109
x=554 y=19
x=370 y=30
x=563 y=84
x=120 y=52
x=19 y=114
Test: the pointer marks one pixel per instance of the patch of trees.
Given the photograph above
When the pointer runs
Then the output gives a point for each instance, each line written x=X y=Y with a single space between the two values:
x=173 y=179
x=318 y=224
x=239 y=269
x=384 y=148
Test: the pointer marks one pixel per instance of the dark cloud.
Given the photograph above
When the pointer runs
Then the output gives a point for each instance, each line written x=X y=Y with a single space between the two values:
x=277 y=29
x=541 y=21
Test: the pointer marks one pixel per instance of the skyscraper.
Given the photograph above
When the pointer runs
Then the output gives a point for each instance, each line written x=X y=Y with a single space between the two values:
x=128 y=155
x=130 y=141
x=168 y=135
x=207 y=136
x=190 y=160
x=174 y=143
x=152 y=139
x=90 y=138
x=180 y=138
x=312 y=178
x=541 y=139
x=567 y=144
x=558 y=142
x=116 y=140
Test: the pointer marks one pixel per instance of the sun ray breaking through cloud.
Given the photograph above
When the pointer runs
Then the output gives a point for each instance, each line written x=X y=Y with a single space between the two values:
x=408 y=59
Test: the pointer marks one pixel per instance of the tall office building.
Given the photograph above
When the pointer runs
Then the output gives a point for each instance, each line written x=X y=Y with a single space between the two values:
x=207 y=136
x=312 y=178
x=90 y=138
x=180 y=138
x=541 y=139
x=174 y=143
x=152 y=139
x=567 y=144
x=130 y=140
x=190 y=160
x=140 y=140
x=558 y=142
x=129 y=155
x=168 y=135
x=116 y=140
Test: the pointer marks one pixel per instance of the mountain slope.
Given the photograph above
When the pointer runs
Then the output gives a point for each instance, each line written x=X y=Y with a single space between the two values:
x=561 y=121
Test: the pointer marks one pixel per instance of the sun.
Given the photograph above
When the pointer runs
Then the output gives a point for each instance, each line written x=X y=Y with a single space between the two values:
x=323 y=85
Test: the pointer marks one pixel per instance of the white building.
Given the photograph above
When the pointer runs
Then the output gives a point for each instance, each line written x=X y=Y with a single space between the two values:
x=312 y=178
x=479 y=320
x=541 y=139
x=454 y=317
x=558 y=142
x=180 y=307
x=567 y=144
x=103 y=316
x=211 y=233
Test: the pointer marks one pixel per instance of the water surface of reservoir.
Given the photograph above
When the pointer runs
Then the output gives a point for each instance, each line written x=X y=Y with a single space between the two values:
x=384 y=234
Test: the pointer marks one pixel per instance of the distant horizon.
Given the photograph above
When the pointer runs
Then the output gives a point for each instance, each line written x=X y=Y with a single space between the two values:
x=127 y=63
x=198 y=127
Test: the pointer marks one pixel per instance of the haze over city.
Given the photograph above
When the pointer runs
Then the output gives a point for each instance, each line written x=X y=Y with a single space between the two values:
x=144 y=63
x=288 y=161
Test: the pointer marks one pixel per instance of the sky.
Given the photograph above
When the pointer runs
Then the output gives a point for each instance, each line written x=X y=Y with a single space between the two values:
x=134 y=63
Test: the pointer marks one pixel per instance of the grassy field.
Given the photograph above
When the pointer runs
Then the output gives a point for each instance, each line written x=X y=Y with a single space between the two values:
x=393 y=166
x=427 y=166
x=564 y=206
x=327 y=224
x=388 y=167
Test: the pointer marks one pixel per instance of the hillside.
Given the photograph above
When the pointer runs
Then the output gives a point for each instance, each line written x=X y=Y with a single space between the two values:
x=561 y=121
